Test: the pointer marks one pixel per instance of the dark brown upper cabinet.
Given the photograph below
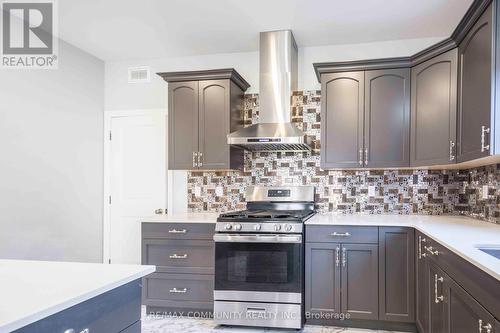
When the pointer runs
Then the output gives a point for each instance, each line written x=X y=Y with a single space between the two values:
x=433 y=111
x=365 y=119
x=204 y=107
x=387 y=118
x=342 y=105
x=476 y=76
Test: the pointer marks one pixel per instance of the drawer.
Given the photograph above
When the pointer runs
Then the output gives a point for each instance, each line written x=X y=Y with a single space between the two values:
x=341 y=234
x=179 y=256
x=178 y=230
x=111 y=312
x=179 y=290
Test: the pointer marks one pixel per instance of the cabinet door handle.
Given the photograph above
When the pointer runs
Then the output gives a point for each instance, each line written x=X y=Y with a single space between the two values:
x=200 y=159
x=361 y=157
x=177 y=231
x=176 y=256
x=437 y=298
x=344 y=256
x=420 y=241
x=484 y=146
x=366 y=156
x=430 y=249
x=488 y=327
x=195 y=159
x=452 y=149
x=340 y=234
x=337 y=256
x=178 y=291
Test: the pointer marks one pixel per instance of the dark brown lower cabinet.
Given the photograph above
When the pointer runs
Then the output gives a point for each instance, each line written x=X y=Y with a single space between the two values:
x=359 y=281
x=322 y=278
x=396 y=274
x=466 y=314
x=439 y=286
x=342 y=279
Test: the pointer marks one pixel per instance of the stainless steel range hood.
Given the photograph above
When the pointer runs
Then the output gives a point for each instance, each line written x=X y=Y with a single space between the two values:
x=277 y=81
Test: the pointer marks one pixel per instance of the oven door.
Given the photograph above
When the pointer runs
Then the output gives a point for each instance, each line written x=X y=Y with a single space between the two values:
x=264 y=267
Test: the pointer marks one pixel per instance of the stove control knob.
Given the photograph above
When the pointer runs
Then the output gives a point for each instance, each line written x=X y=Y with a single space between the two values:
x=228 y=226
x=256 y=227
x=277 y=227
x=288 y=227
x=237 y=226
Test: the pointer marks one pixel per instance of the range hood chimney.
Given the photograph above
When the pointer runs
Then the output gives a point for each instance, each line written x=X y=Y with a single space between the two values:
x=277 y=81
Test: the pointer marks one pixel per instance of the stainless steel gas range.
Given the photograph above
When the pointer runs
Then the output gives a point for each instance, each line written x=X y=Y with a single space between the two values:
x=259 y=259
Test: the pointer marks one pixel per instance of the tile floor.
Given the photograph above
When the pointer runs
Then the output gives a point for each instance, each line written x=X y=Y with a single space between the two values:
x=189 y=325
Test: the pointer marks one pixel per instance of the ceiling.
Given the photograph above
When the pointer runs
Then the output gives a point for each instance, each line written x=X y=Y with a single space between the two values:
x=128 y=29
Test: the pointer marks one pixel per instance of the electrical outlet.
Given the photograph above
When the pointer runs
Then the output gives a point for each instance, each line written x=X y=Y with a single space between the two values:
x=219 y=191
x=371 y=191
x=485 y=191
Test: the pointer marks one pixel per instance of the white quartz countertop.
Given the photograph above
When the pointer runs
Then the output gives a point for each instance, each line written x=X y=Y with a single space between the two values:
x=33 y=290
x=459 y=234
x=183 y=218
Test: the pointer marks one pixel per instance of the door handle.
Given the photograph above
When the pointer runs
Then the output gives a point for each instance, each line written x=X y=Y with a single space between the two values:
x=337 y=256
x=452 y=146
x=361 y=157
x=484 y=146
x=200 y=159
x=366 y=156
x=420 y=253
x=437 y=298
x=488 y=327
x=344 y=256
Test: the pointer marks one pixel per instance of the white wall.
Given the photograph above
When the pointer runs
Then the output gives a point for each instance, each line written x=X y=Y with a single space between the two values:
x=119 y=94
x=51 y=128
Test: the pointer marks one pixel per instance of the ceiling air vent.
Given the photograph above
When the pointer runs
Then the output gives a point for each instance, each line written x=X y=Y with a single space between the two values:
x=138 y=74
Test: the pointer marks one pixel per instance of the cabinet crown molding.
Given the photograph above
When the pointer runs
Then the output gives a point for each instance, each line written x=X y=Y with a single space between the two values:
x=210 y=74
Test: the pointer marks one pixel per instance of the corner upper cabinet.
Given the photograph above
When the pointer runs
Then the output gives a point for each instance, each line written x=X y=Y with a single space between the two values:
x=476 y=75
x=387 y=118
x=434 y=111
x=342 y=105
x=204 y=107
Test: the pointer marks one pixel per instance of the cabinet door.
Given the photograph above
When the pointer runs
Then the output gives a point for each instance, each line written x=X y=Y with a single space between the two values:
x=433 y=110
x=466 y=314
x=422 y=285
x=342 y=104
x=439 y=299
x=475 y=83
x=387 y=118
x=396 y=274
x=214 y=124
x=322 y=266
x=182 y=124
x=359 y=281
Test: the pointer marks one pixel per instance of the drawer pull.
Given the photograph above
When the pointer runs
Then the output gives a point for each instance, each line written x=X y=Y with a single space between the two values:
x=176 y=256
x=340 y=234
x=178 y=291
x=175 y=231
x=487 y=327
x=70 y=330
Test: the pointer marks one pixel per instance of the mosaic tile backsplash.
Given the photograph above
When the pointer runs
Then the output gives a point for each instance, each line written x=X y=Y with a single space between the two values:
x=426 y=192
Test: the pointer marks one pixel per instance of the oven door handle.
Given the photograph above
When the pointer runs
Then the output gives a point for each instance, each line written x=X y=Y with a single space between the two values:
x=269 y=238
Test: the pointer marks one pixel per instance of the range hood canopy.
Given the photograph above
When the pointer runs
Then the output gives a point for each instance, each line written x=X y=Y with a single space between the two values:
x=277 y=81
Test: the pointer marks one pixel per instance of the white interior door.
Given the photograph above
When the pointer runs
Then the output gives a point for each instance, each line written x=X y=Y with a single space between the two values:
x=138 y=180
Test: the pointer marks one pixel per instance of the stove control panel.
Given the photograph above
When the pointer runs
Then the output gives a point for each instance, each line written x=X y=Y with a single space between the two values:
x=265 y=227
